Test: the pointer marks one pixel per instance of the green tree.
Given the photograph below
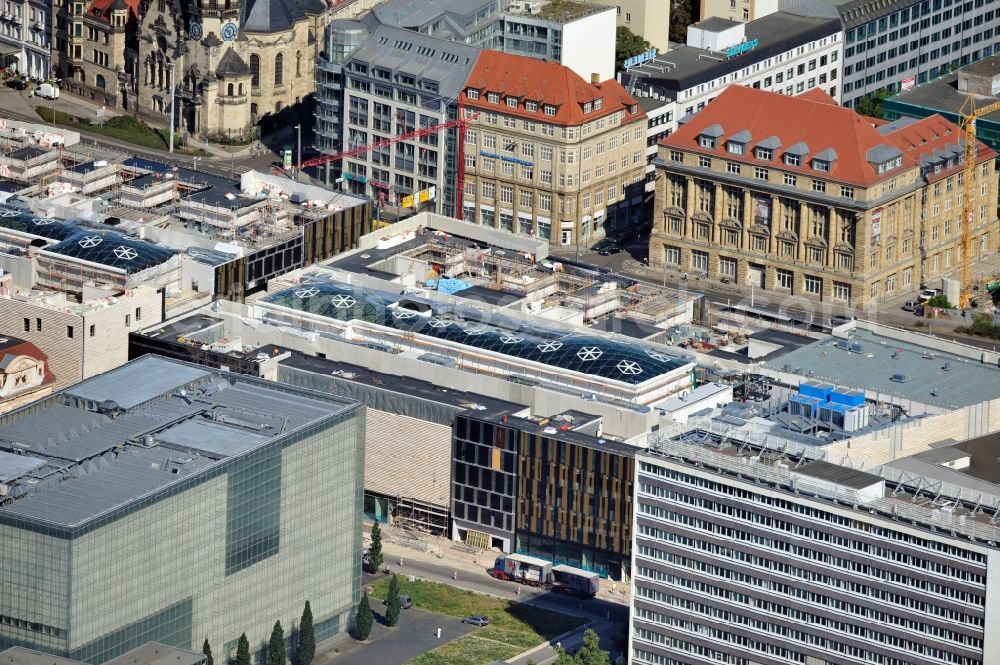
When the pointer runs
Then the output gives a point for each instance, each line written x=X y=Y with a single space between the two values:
x=207 y=650
x=243 y=651
x=591 y=652
x=363 y=619
x=627 y=44
x=276 y=647
x=940 y=300
x=392 y=602
x=564 y=658
x=307 y=637
x=375 y=549
x=681 y=12
x=872 y=105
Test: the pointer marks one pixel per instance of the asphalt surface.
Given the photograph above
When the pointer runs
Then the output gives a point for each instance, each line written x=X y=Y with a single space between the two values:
x=413 y=635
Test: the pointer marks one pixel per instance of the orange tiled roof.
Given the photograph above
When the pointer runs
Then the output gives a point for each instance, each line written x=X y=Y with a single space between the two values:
x=542 y=82
x=101 y=9
x=816 y=126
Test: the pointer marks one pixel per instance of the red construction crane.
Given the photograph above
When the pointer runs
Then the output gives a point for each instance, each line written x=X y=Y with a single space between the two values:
x=417 y=133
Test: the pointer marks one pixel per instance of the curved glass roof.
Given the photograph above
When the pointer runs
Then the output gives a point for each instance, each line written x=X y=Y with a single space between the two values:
x=111 y=249
x=631 y=363
x=18 y=220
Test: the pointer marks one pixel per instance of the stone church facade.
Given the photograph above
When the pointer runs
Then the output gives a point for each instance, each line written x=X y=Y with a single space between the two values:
x=232 y=62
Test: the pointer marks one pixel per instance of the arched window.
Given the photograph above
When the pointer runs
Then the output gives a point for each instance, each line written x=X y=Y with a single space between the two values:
x=230 y=89
x=254 y=70
x=277 y=107
x=253 y=113
x=298 y=64
x=279 y=65
x=241 y=89
x=99 y=81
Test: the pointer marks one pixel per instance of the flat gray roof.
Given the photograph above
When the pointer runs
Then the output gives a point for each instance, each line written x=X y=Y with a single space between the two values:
x=941 y=96
x=841 y=475
x=154 y=653
x=25 y=656
x=97 y=462
x=146 y=378
x=14 y=466
x=931 y=377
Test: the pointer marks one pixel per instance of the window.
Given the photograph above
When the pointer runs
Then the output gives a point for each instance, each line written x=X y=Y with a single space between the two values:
x=470 y=134
x=254 y=70
x=704 y=162
x=490 y=141
x=821 y=165
x=790 y=179
x=27 y=325
x=847 y=192
x=785 y=278
x=706 y=141
x=506 y=194
x=815 y=255
x=279 y=66
x=792 y=160
x=545 y=202
x=526 y=199
x=676 y=156
x=733 y=167
x=842 y=291
x=672 y=255
x=760 y=173
x=813 y=285
x=819 y=186
x=727 y=267
x=531 y=106
x=699 y=260
x=512 y=102
x=489 y=190
x=298 y=64
x=549 y=110
x=472 y=93
x=128 y=320
x=493 y=97
x=735 y=147
x=93 y=330
x=546 y=153
x=38 y=324
x=763 y=153
x=69 y=332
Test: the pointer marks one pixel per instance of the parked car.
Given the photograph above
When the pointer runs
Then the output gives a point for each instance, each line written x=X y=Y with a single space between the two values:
x=927 y=294
x=17 y=84
x=405 y=602
x=841 y=319
x=606 y=246
x=476 y=620
x=910 y=306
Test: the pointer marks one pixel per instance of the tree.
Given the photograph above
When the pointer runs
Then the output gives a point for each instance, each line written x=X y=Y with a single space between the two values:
x=207 y=650
x=375 y=549
x=591 y=652
x=307 y=637
x=243 y=651
x=872 y=105
x=276 y=647
x=940 y=300
x=363 y=619
x=680 y=18
x=627 y=44
x=392 y=602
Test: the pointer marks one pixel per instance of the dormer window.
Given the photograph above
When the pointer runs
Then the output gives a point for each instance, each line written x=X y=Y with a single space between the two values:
x=598 y=103
x=633 y=108
x=472 y=93
x=792 y=160
x=763 y=153
x=493 y=97
x=735 y=147
x=550 y=110
x=531 y=106
x=821 y=165
x=588 y=107
x=706 y=141
x=512 y=102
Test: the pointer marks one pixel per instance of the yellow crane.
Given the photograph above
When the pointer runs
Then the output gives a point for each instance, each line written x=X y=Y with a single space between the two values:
x=967 y=116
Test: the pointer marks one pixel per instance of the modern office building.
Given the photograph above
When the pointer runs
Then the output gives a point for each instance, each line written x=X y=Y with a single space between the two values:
x=948 y=95
x=81 y=339
x=162 y=501
x=548 y=154
x=806 y=198
x=411 y=61
x=749 y=555
x=553 y=488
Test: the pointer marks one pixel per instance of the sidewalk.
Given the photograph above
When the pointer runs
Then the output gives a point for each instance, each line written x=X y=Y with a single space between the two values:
x=548 y=652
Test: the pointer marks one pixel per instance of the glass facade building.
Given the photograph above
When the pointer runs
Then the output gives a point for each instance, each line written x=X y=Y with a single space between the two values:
x=210 y=508
x=559 y=494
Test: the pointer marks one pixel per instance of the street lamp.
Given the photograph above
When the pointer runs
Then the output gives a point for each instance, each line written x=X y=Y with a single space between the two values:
x=298 y=155
x=173 y=99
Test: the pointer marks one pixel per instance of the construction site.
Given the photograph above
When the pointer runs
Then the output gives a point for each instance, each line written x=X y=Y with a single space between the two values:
x=229 y=235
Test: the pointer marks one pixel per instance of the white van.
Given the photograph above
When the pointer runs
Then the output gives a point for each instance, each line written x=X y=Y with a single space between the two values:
x=47 y=91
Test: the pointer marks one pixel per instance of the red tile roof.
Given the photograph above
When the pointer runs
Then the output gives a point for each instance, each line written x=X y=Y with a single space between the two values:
x=101 y=9
x=544 y=82
x=22 y=348
x=933 y=134
x=815 y=120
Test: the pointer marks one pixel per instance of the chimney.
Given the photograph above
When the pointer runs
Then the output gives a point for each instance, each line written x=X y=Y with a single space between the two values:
x=595 y=78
